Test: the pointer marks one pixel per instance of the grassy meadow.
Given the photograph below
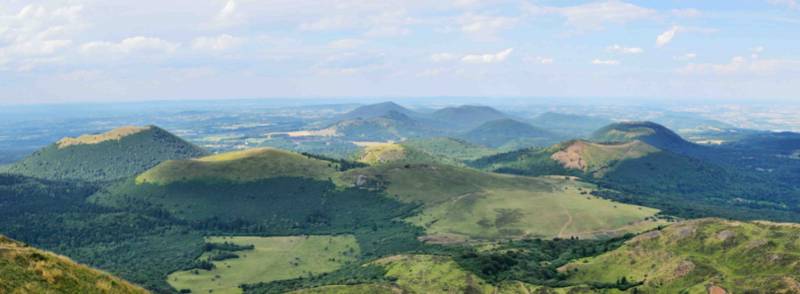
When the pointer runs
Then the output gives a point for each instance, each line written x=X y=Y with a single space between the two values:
x=273 y=258
x=471 y=204
x=511 y=214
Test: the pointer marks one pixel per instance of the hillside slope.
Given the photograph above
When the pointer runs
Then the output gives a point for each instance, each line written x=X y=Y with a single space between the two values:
x=703 y=256
x=391 y=126
x=648 y=132
x=116 y=154
x=24 y=269
x=507 y=134
x=467 y=116
x=677 y=184
x=375 y=110
x=460 y=204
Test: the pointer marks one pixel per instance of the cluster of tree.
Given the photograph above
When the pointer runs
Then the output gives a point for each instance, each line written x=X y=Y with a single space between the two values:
x=532 y=260
x=341 y=164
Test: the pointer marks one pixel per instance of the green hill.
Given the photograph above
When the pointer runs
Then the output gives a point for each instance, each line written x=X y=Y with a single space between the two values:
x=376 y=110
x=648 y=132
x=467 y=116
x=392 y=126
x=24 y=269
x=702 y=256
x=116 y=154
x=645 y=175
x=239 y=166
x=508 y=134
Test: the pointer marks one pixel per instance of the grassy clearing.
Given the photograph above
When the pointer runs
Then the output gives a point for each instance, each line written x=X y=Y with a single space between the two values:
x=432 y=274
x=478 y=205
x=273 y=258
x=564 y=211
x=239 y=166
x=755 y=257
x=382 y=153
x=115 y=134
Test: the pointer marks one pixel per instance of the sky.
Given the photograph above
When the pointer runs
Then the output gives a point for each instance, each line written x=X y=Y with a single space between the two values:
x=126 y=50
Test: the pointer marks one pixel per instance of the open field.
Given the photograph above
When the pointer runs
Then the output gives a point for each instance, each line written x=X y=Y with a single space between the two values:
x=273 y=258
x=460 y=202
x=432 y=274
x=382 y=153
x=563 y=212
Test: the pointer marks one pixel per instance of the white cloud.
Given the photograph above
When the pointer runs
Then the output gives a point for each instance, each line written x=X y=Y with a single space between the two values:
x=35 y=34
x=432 y=72
x=328 y=23
x=539 y=60
x=387 y=31
x=345 y=44
x=487 y=58
x=792 y=4
x=350 y=63
x=667 y=36
x=684 y=57
x=624 y=50
x=138 y=44
x=605 y=62
x=484 y=26
x=756 y=52
x=742 y=65
x=443 y=57
x=229 y=14
x=687 y=13
x=218 y=43
x=593 y=16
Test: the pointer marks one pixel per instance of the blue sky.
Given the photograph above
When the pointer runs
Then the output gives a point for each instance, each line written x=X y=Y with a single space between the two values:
x=93 y=50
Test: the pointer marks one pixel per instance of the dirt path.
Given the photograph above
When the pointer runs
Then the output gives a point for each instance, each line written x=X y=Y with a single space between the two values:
x=566 y=224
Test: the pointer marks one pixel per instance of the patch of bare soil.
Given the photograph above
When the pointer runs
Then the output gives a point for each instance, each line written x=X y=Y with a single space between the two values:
x=716 y=290
x=683 y=269
x=725 y=235
x=792 y=286
x=571 y=157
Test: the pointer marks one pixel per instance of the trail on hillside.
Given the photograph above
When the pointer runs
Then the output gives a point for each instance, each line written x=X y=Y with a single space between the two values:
x=566 y=224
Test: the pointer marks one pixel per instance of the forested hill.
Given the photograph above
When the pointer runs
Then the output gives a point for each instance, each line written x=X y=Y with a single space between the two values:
x=116 y=154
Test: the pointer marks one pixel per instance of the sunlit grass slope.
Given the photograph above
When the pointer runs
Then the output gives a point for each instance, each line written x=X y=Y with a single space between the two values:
x=698 y=255
x=24 y=269
x=273 y=258
x=462 y=202
x=239 y=166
